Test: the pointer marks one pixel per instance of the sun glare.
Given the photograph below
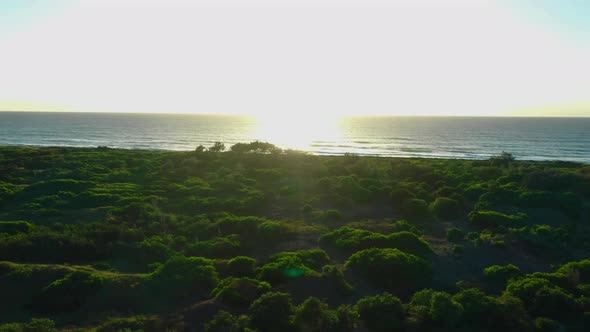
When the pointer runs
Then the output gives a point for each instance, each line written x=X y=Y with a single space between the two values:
x=297 y=131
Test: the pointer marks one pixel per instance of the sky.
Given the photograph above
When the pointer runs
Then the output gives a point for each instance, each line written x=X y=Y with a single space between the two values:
x=303 y=58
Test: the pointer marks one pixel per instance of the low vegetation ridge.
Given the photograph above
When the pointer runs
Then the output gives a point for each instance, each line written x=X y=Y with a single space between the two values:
x=260 y=239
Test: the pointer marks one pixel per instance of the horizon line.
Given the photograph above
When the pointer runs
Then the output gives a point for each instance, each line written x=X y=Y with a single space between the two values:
x=337 y=116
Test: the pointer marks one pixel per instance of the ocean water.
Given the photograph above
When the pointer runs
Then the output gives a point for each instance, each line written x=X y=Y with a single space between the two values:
x=565 y=139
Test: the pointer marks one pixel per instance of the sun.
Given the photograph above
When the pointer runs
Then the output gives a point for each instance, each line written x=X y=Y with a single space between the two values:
x=295 y=131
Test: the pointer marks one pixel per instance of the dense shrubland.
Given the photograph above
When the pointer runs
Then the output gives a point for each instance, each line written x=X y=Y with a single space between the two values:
x=259 y=239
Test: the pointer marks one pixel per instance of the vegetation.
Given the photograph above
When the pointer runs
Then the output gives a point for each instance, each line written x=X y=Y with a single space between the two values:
x=252 y=238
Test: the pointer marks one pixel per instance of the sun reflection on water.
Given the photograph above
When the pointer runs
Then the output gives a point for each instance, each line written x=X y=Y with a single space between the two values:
x=298 y=132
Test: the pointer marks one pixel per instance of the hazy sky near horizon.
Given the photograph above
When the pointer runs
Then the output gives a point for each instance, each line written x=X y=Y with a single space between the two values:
x=303 y=58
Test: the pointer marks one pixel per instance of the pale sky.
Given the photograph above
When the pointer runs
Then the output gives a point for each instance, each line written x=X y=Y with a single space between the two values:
x=311 y=58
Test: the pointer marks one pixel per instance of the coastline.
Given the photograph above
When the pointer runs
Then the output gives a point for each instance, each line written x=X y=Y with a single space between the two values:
x=292 y=151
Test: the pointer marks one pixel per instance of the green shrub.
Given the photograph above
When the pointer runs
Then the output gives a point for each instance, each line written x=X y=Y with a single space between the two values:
x=153 y=250
x=226 y=322
x=415 y=209
x=271 y=312
x=455 y=235
x=241 y=266
x=401 y=196
x=335 y=278
x=580 y=270
x=181 y=277
x=553 y=302
x=445 y=310
x=240 y=292
x=312 y=258
x=391 y=269
x=329 y=216
x=313 y=315
x=351 y=240
x=543 y=324
x=35 y=325
x=14 y=227
x=410 y=243
x=270 y=231
x=68 y=293
x=526 y=288
x=283 y=268
x=381 y=313
x=498 y=275
x=135 y=323
x=219 y=247
x=458 y=249
x=489 y=219
x=446 y=208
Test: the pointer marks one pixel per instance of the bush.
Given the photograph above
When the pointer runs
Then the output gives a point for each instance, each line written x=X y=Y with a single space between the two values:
x=313 y=315
x=241 y=266
x=476 y=307
x=526 y=288
x=329 y=216
x=543 y=324
x=498 y=275
x=444 y=310
x=240 y=292
x=14 y=227
x=381 y=313
x=455 y=235
x=68 y=293
x=489 y=219
x=415 y=209
x=351 y=240
x=180 y=277
x=555 y=303
x=401 y=196
x=410 y=243
x=335 y=278
x=271 y=312
x=135 y=323
x=153 y=250
x=446 y=208
x=579 y=270
x=226 y=322
x=219 y=247
x=391 y=269
x=282 y=268
x=312 y=258
x=35 y=325
x=270 y=231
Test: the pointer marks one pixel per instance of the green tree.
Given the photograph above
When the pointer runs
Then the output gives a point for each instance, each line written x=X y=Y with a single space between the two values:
x=226 y=322
x=217 y=147
x=271 y=312
x=381 y=313
x=313 y=315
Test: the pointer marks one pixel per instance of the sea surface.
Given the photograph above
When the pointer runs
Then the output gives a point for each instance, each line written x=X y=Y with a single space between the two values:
x=566 y=139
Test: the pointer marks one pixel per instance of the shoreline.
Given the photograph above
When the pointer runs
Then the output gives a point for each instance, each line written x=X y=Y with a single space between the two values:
x=2 y=146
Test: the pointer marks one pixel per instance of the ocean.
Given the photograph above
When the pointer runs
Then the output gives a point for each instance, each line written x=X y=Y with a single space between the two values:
x=566 y=139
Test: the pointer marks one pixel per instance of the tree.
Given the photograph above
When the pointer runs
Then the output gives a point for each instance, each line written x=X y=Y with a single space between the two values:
x=446 y=208
x=271 y=312
x=498 y=275
x=313 y=315
x=184 y=276
x=381 y=313
x=226 y=322
x=444 y=310
x=392 y=269
x=503 y=159
x=241 y=266
x=240 y=292
x=217 y=147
